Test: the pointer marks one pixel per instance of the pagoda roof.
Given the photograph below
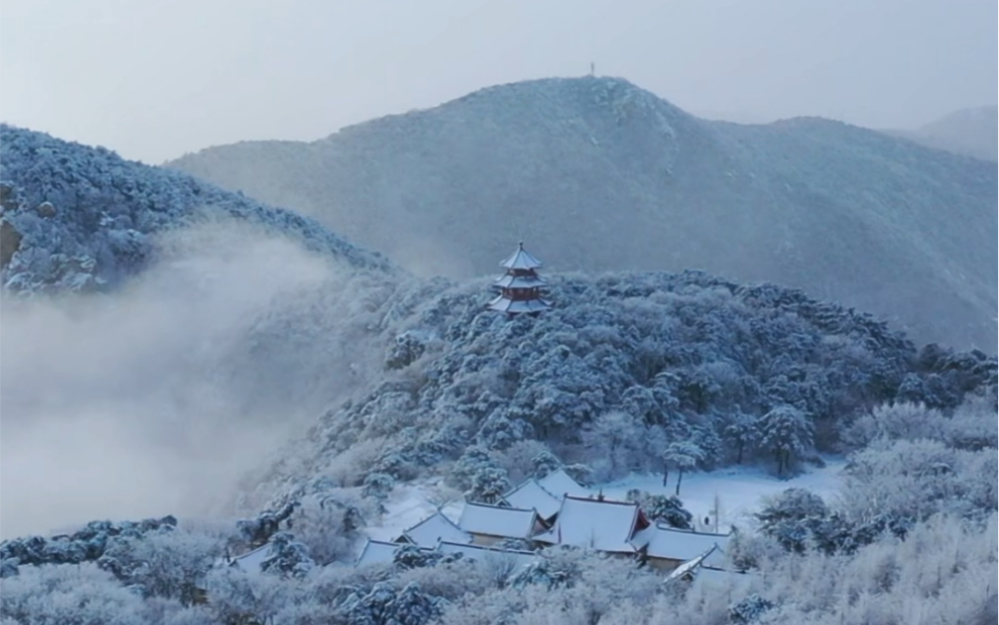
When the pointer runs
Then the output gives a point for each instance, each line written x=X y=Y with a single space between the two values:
x=518 y=282
x=503 y=304
x=435 y=528
x=521 y=259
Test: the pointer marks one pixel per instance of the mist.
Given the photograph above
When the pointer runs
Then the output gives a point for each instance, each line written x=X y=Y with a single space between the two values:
x=145 y=402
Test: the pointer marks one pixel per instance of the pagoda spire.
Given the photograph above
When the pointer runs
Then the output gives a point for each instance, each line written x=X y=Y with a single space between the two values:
x=520 y=288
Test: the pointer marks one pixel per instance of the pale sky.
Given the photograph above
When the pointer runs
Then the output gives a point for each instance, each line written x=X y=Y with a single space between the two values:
x=153 y=79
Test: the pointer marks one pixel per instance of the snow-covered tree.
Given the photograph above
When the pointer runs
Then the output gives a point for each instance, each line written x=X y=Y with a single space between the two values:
x=683 y=456
x=743 y=434
x=787 y=433
x=287 y=556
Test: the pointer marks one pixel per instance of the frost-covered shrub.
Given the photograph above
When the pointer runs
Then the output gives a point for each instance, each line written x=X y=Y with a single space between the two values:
x=474 y=461
x=238 y=597
x=972 y=426
x=544 y=464
x=85 y=545
x=384 y=605
x=488 y=485
x=665 y=508
x=406 y=349
x=791 y=517
x=69 y=595
x=518 y=459
x=915 y=479
x=378 y=485
x=413 y=557
x=749 y=610
x=557 y=567
x=287 y=556
x=258 y=530
x=171 y=565
x=330 y=524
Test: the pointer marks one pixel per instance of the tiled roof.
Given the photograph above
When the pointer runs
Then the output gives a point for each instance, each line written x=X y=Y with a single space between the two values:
x=437 y=527
x=595 y=524
x=378 y=551
x=521 y=259
x=676 y=544
x=531 y=494
x=497 y=521
x=559 y=483
x=489 y=554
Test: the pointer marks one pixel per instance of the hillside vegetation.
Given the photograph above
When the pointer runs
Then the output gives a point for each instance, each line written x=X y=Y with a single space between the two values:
x=76 y=218
x=598 y=174
x=260 y=346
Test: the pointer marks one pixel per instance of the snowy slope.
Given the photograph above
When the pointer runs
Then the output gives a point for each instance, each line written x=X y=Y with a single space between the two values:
x=739 y=490
x=598 y=174
x=972 y=132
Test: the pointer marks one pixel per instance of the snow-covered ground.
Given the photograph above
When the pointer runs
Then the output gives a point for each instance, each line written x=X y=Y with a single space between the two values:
x=738 y=490
x=410 y=504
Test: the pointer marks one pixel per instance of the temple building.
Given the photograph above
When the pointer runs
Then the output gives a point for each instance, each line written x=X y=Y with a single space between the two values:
x=520 y=289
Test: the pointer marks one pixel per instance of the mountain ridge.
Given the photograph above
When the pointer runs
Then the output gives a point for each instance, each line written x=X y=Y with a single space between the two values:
x=598 y=174
x=77 y=217
x=971 y=132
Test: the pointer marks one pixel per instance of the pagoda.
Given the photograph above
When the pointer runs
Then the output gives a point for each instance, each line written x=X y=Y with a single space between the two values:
x=520 y=288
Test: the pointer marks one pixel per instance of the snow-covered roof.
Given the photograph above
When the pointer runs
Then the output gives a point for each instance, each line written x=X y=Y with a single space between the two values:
x=435 y=528
x=596 y=524
x=498 y=520
x=531 y=494
x=518 y=282
x=379 y=551
x=251 y=560
x=710 y=575
x=559 y=483
x=487 y=554
x=521 y=259
x=676 y=544
x=687 y=567
x=502 y=304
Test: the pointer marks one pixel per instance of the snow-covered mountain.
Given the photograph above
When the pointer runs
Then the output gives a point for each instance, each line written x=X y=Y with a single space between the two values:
x=972 y=132
x=82 y=218
x=622 y=364
x=237 y=331
x=598 y=174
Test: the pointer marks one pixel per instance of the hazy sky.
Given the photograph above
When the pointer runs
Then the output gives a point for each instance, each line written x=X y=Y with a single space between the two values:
x=154 y=79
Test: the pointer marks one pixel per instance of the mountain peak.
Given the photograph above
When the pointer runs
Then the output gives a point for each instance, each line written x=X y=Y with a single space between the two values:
x=604 y=175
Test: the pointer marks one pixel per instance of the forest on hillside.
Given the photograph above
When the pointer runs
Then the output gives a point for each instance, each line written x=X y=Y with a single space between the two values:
x=625 y=370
